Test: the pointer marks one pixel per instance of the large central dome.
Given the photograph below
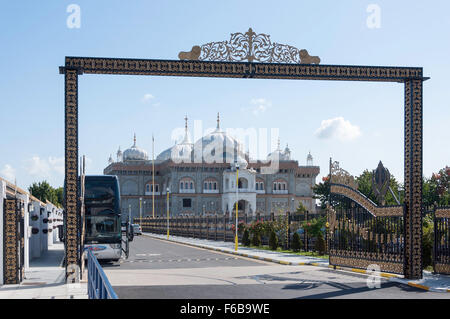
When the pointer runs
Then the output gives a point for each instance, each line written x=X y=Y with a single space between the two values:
x=218 y=147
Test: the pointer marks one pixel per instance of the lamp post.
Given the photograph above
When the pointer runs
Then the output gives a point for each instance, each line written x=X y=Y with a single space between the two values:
x=237 y=199
x=167 y=191
x=140 y=211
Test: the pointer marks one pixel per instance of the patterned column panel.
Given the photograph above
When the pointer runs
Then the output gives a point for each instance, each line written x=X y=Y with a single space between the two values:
x=10 y=243
x=413 y=179
x=72 y=240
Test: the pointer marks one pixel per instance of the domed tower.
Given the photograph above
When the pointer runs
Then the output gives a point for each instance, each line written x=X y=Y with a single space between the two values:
x=134 y=153
x=119 y=155
x=278 y=155
x=287 y=153
x=110 y=160
x=219 y=147
x=309 y=160
x=181 y=152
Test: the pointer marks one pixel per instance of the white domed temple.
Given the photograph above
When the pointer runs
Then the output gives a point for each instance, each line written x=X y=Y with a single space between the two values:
x=201 y=178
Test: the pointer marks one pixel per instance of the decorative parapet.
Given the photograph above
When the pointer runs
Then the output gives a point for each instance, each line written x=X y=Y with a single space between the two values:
x=250 y=47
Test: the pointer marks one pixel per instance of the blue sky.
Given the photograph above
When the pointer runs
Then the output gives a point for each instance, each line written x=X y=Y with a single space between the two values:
x=362 y=123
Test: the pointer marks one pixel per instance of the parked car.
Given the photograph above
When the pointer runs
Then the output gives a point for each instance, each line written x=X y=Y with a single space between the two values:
x=137 y=229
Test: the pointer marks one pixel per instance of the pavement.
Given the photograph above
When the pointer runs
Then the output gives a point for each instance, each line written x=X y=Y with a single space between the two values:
x=429 y=282
x=45 y=279
x=161 y=269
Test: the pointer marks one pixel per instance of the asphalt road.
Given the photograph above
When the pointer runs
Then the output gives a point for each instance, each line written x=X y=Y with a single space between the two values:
x=160 y=269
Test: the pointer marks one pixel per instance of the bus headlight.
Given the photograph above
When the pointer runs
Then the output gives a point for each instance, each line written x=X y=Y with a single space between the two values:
x=116 y=246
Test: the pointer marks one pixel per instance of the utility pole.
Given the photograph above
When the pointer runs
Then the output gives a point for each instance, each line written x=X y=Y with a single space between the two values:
x=153 y=176
x=237 y=199
x=140 y=211
x=167 y=212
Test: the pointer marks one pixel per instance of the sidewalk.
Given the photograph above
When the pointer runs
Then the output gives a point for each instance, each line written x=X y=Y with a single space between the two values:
x=45 y=280
x=430 y=282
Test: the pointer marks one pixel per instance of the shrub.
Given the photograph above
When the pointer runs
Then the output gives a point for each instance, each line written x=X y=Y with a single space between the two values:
x=320 y=244
x=296 y=242
x=256 y=239
x=427 y=242
x=273 y=241
x=246 y=238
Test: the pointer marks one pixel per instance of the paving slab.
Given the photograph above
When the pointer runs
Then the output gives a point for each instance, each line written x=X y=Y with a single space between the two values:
x=45 y=279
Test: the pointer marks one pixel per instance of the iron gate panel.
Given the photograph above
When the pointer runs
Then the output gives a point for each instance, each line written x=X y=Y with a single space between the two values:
x=441 y=250
x=358 y=239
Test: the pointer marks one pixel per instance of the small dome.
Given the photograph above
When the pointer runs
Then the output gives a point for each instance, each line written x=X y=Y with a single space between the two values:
x=181 y=152
x=278 y=155
x=309 y=160
x=134 y=153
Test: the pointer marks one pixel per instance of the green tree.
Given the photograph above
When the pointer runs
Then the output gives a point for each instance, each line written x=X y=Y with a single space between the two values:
x=301 y=209
x=322 y=192
x=44 y=191
x=59 y=195
x=273 y=241
x=320 y=244
x=296 y=242
x=246 y=238
x=427 y=241
x=436 y=189
x=256 y=240
x=314 y=226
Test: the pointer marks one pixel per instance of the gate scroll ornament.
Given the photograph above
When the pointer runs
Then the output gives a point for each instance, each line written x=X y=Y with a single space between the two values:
x=251 y=47
x=235 y=59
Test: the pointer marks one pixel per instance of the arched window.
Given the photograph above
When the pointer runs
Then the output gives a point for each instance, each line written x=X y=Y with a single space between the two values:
x=187 y=185
x=210 y=185
x=149 y=188
x=280 y=186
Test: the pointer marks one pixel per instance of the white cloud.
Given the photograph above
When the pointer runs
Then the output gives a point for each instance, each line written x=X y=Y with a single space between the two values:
x=9 y=173
x=147 y=98
x=338 y=128
x=45 y=168
x=258 y=106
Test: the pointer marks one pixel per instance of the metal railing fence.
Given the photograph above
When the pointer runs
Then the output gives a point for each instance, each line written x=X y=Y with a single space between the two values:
x=98 y=284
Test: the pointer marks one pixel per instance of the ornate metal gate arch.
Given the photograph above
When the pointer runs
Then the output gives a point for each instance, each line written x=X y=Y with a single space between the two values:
x=258 y=57
x=361 y=233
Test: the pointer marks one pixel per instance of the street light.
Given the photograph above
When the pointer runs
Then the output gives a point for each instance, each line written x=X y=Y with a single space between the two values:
x=237 y=198
x=140 y=211
x=167 y=191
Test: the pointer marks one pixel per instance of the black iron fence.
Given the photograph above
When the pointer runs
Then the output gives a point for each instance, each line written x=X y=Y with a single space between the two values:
x=221 y=227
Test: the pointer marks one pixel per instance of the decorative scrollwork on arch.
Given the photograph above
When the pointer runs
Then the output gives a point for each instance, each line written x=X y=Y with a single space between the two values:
x=341 y=176
x=250 y=47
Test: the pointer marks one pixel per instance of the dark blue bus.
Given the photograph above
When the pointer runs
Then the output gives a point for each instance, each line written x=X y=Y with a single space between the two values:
x=103 y=233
